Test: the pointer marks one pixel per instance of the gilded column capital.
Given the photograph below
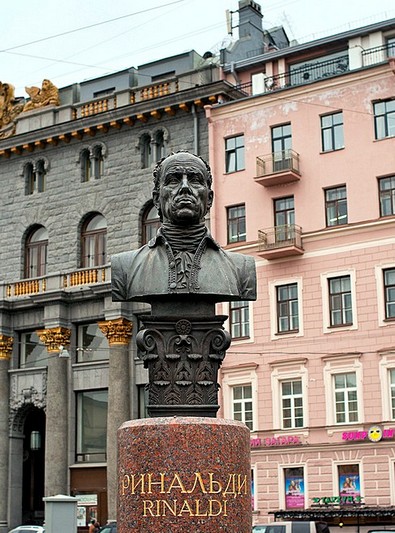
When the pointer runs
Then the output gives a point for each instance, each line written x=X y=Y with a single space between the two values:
x=6 y=344
x=118 y=332
x=53 y=338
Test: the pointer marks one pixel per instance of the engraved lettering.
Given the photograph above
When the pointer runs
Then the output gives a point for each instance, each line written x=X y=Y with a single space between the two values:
x=198 y=479
x=212 y=482
x=177 y=483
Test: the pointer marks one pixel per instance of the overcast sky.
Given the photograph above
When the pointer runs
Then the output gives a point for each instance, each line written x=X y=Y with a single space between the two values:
x=79 y=39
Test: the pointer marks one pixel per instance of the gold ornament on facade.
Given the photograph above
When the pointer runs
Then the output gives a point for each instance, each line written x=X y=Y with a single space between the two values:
x=9 y=109
x=118 y=332
x=54 y=338
x=6 y=344
x=47 y=95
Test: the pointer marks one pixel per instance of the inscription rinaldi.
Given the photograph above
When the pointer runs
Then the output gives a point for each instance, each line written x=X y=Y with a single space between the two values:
x=162 y=494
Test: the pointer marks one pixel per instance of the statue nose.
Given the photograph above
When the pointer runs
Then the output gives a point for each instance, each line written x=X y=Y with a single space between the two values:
x=185 y=185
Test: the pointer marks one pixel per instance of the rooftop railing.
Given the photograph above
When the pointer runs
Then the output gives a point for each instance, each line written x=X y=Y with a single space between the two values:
x=378 y=54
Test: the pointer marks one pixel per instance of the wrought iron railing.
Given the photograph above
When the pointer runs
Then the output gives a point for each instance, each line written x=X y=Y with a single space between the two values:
x=279 y=237
x=277 y=162
x=378 y=54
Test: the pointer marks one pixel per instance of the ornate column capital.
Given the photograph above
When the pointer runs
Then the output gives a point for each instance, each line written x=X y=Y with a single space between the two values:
x=53 y=338
x=118 y=331
x=6 y=344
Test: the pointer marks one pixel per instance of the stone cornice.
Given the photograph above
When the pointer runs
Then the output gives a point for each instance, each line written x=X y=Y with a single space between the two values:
x=118 y=332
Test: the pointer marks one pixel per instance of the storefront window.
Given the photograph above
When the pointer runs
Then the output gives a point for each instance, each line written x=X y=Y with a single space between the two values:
x=294 y=488
x=349 y=483
x=92 y=425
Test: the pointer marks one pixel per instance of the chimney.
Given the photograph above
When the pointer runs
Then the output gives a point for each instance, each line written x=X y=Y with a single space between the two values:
x=250 y=20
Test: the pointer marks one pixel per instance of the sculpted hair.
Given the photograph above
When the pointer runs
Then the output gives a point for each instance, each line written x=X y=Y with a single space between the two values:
x=157 y=172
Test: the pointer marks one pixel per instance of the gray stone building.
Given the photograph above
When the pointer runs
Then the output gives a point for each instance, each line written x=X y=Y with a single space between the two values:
x=75 y=182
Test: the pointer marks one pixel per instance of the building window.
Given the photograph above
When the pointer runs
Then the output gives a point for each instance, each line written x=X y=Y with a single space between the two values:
x=239 y=320
x=159 y=139
x=86 y=165
x=236 y=217
x=391 y=47
x=92 y=425
x=34 y=174
x=392 y=391
x=284 y=218
x=287 y=308
x=384 y=119
x=336 y=206
x=94 y=242
x=146 y=150
x=97 y=162
x=294 y=488
x=292 y=404
x=150 y=224
x=92 y=344
x=332 y=132
x=281 y=147
x=36 y=253
x=340 y=301
x=349 y=483
x=234 y=154
x=387 y=196
x=389 y=292
x=33 y=352
x=242 y=404
x=346 y=403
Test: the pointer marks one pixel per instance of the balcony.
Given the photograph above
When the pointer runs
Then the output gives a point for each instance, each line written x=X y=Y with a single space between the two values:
x=76 y=280
x=277 y=168
x=280 y=241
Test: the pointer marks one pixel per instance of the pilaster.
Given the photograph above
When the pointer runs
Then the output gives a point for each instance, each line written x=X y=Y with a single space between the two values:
x=6 y=344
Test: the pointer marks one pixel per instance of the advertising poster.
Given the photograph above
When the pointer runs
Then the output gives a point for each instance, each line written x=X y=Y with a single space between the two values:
x=349 y=483
x=294 y=488
x=81 y=516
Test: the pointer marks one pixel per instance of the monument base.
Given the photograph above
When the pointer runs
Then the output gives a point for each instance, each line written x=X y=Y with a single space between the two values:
x=183 y=475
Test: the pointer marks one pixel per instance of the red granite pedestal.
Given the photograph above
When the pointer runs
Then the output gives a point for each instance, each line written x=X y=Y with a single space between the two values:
x=184 y=475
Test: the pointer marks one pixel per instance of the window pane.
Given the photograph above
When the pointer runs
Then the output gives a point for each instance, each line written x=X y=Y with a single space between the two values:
x=92 y=425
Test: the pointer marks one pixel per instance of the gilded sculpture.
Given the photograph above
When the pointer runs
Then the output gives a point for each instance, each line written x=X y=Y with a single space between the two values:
x=9 y=106
x=47 y=95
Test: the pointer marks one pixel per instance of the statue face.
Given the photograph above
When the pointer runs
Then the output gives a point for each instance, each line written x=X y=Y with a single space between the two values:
x=184 y=196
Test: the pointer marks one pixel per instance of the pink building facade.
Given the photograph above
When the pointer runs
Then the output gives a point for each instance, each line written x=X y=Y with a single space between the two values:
x=304 y=180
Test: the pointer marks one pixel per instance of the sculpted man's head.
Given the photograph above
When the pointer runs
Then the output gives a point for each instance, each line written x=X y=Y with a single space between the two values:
x=182 y=189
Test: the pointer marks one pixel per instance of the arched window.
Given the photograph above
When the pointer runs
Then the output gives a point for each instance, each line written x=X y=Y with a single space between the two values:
x=97 y=162
x=94 y=242
x=86 y=166
x=36 y=253
x=150 y=224
x=160 y=145
x=146 y=151
x=34 y=175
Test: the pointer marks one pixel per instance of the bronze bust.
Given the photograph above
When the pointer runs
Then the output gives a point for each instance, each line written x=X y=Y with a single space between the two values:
x=183 y=260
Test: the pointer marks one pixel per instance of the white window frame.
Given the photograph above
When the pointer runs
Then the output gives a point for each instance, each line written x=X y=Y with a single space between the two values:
x=227 y=310
x=335 y=473
x=342 y=364
x=379 y=273
x=286 y=371
x=274 y=334
x=386 y=364
x=392 y=479
x=281 y=482
x=327 y=328
x=237 y=378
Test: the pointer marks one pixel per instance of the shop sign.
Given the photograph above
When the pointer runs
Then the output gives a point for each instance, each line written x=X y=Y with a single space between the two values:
x=87 y=499
x=337 y=500
x=374 y=434
x=288 y=440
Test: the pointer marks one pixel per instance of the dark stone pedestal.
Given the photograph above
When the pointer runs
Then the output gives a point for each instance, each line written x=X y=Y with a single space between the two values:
x=184 y=475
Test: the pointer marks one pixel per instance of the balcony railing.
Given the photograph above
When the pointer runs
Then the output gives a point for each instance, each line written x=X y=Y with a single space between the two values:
x=67 y=281
x=277 y=168
x=378 y=54
x=280 y=241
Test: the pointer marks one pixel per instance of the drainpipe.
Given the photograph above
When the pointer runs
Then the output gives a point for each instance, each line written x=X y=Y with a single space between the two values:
x=195 y=130
x=211 y=160
x=234 y=73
